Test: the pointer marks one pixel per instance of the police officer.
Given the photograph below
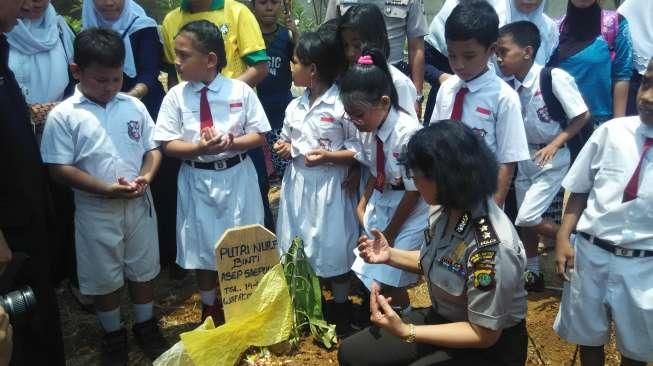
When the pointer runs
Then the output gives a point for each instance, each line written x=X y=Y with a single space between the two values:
x=472 y=260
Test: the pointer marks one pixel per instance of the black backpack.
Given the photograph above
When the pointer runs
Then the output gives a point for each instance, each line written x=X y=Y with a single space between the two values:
x=557 y=113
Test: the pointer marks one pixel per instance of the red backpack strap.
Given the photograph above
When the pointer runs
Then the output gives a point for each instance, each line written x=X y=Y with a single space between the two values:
x=609 y=29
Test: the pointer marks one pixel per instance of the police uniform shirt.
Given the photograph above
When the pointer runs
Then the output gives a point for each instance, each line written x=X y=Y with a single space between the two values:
x=106 y=142
x=320 y=126
x=602 y=169
x=540 y=127
x=491 y=109
x=403 y=18
x=235 y=109
x=395 y=132
x=475 y=274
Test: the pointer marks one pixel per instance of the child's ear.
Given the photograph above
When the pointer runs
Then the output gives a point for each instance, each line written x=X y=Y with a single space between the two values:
x=528 y=53
x=492 y=49
x=76 y=71
x=212 y=60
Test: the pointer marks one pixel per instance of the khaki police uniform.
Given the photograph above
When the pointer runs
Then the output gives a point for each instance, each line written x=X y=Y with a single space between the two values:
x=474 y=274
x=403 y=19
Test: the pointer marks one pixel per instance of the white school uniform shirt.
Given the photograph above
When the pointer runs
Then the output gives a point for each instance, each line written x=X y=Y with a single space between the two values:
x=235 y=109
x=603 y=168
x=540 y=128
x=492 y=109
x=395 y=132
x=406 y=91
x=106 y=142
x=320 y=126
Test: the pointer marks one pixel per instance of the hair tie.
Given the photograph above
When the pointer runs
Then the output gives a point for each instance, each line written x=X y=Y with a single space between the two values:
x=365 y=60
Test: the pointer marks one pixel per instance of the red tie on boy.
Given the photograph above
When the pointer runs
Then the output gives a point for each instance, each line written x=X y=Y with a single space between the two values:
x=631 y=188
x=457 y=111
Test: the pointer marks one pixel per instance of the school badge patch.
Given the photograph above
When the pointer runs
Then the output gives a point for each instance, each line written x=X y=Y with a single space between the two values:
x=134 y=130
x=224 y=29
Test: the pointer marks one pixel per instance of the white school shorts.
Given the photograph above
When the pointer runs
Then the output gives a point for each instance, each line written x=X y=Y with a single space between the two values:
x=605 y=288
x=115 y=238
x=535 y=187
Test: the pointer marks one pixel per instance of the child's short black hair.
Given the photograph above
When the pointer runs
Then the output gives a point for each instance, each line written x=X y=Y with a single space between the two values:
x=364 y=85
x=328 y=32
x=473 y=20
x=523 y=33
x=313 y=49
x=367 y=21
x=207 y=38
x=98 y=46
x=456 y=160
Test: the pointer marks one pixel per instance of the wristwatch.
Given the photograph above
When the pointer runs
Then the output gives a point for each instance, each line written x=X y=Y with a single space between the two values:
x=410 y=338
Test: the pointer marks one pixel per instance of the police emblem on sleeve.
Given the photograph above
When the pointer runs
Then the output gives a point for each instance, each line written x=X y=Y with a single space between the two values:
x=134 y=130
x=481 y=267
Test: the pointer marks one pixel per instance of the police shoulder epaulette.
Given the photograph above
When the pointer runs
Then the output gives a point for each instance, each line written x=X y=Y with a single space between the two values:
x=485 y=233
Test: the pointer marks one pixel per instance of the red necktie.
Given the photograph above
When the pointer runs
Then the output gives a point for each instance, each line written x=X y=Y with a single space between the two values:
x=380 y=166
x=457 y=111
x=631 y=188
x=206 y=120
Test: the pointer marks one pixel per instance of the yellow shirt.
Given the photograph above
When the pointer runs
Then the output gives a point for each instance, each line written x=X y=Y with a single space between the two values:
x=242 y=36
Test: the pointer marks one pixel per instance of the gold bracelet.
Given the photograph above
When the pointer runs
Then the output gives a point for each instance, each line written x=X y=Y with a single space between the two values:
x=410 y=338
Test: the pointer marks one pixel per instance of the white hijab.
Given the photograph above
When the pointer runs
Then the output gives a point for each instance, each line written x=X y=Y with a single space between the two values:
x=436 y=30
x=39 y=54
x=639 y=14
x=548 y=28
x=132 y=19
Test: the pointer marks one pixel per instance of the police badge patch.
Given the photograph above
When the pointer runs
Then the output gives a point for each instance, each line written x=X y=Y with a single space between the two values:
x=134 y=130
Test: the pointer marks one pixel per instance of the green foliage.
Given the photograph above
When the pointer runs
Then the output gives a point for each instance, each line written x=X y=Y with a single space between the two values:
x=166 y=5
x=306 y=296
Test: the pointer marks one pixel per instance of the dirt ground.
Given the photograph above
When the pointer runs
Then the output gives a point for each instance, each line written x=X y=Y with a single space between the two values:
x=178 y=307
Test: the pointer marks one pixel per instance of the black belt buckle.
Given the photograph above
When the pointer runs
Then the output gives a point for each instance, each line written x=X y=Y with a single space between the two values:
x=614 y=249
x=220 y=164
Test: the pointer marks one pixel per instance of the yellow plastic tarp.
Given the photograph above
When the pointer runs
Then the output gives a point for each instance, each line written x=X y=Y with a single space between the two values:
x=269 y=320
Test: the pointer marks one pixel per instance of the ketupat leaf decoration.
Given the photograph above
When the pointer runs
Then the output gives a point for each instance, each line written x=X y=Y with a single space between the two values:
x=306 y=296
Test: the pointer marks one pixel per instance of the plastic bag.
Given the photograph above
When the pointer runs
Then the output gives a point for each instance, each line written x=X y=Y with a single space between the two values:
x=269 y=321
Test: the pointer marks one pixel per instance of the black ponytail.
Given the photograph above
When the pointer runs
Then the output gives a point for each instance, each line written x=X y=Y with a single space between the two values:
x=364 y=84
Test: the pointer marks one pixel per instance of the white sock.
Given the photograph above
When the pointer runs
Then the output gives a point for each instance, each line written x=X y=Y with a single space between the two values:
x=208 y=297
x=533 y=264
x=143 y=312
x=340 y=290
x=109 y=320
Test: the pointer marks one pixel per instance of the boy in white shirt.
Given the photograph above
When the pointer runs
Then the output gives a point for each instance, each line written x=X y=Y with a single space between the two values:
x=539 y=178
x=476 y=95
x=609 y=269
x=99 y=142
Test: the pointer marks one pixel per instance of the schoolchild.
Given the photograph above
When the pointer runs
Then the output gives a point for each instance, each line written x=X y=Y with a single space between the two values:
x=476 y=95
x=210 y=121
x=539 y=178
x=361 y=26
x=609 y=268
x=143 y=49
x=390 y=202
x=100 y=143
x=274 y=91
x=405 y=26
x=321 y=145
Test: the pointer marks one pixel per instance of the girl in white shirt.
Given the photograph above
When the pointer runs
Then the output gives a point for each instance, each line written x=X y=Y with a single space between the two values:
x=321 y=145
